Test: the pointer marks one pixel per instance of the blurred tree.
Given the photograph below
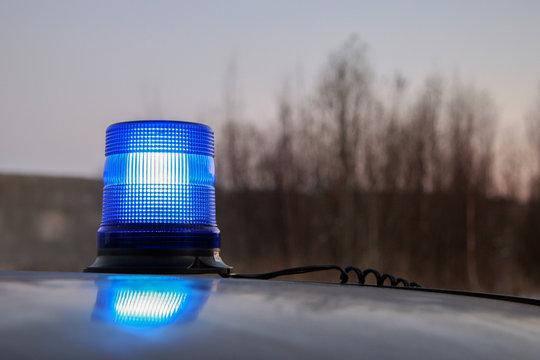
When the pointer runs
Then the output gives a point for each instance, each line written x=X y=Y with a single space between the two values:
x=281 y=166
x=424 y=164
x=344 y=96
x=513 y=163
x=471 y=119
x=533 y=127
x=529 y=246
x=393 y=140
x=347 y=176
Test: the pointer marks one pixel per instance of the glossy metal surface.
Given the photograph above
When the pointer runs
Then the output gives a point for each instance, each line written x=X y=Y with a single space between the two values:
x=98 y=316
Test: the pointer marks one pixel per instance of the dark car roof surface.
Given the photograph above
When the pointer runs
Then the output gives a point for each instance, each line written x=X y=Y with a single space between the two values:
x=84 y=316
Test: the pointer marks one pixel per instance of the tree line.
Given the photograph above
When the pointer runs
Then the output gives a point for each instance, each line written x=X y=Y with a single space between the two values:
x=412 y=184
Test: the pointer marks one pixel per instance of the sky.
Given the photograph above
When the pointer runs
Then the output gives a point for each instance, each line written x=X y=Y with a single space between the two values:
x=68 y=69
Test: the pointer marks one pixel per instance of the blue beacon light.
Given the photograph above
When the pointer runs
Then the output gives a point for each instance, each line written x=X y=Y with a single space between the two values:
x=159 y=213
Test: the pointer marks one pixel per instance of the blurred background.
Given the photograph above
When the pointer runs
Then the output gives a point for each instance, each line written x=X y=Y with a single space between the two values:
x=403 y=136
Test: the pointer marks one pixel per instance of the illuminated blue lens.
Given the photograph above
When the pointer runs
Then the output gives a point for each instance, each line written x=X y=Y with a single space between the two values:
x=159 y=187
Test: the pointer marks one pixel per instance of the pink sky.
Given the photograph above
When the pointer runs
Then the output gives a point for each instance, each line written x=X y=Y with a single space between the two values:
x=70 y=68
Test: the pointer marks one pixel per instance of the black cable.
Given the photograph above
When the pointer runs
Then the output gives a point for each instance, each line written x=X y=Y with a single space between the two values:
x=376 y=274
x=402 y=281
x=380 y=279
x=359 y=274
x=389 y=277
x=343 y=277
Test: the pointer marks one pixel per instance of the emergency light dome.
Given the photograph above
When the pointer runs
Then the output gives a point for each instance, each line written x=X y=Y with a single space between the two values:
x=159 y=211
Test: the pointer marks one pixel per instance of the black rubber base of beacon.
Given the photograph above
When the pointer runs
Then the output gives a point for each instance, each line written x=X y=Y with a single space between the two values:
x=159 y=264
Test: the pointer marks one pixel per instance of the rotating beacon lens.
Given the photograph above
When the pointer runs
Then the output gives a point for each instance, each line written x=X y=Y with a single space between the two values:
x=159 y=211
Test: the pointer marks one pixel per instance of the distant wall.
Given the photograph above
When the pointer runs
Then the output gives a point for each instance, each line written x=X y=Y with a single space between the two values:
x=50 y=224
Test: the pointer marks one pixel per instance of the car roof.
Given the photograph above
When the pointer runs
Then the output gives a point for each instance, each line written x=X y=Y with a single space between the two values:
x=83 y=316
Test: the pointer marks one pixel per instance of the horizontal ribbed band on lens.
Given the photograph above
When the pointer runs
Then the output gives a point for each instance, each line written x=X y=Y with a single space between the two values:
x=158 y=203
x=159 y=136
x=157 y=240
x=159 y=168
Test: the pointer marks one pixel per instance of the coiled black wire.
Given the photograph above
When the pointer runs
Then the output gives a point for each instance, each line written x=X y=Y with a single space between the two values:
x=384 y=280
x=381 y=280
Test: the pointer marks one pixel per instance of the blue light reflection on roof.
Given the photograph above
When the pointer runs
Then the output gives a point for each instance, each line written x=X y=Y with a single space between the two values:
x=146 y=302
x=147 y=306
